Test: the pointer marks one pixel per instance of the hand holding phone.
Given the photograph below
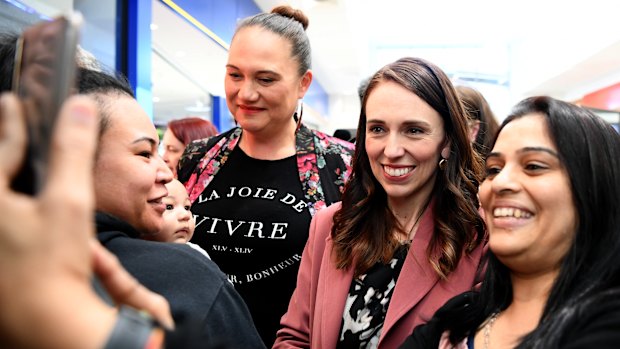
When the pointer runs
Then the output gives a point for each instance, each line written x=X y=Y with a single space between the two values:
x=43 y=77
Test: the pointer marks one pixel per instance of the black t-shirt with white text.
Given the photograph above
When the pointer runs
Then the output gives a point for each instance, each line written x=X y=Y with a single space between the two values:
x=253 y=221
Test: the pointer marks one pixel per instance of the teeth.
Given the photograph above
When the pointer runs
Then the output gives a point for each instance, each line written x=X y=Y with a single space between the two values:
x=397 y=172
x=511 y=212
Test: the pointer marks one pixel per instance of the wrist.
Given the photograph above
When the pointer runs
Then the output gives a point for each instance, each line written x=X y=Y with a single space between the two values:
x=134 y=330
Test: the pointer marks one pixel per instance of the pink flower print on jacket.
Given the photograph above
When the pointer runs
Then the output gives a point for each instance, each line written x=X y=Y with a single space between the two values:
x=322 y=161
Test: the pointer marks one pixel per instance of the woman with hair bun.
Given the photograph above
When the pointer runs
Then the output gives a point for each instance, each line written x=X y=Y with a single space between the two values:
x=255 y=187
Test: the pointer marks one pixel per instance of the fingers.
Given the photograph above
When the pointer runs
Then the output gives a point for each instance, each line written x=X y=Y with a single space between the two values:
x=124 y=289
x=70 y=173
x=12 y=138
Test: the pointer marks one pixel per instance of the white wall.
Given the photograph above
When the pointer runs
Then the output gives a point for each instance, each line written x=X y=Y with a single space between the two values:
x=50 y=8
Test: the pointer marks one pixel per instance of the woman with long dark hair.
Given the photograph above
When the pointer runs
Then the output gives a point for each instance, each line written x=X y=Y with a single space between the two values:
x=407 y=235
x=551 y=204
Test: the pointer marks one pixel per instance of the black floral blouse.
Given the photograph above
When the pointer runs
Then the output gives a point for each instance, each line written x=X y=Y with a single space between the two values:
x=323 y=163
x=368 y=302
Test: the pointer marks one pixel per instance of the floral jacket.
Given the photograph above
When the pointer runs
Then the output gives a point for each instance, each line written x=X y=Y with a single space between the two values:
x=324 y=164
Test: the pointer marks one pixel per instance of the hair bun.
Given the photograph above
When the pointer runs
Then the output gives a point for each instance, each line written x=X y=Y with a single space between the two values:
x=292 y=13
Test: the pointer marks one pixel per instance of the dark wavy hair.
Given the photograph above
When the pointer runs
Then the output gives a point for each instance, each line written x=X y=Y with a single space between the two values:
x=589 y=149
x=364 y=227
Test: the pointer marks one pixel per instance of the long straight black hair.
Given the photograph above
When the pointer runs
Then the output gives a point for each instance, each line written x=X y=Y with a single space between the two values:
x=589 y=149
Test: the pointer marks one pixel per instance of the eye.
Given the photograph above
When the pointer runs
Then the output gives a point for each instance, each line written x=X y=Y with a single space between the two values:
x=266 y=81
x=169 y=207
x=187 y=208
x=491 y=171
x=414 y=130
x=146 y=154
x=534 y=167
x=234 y=76
x=375 y=129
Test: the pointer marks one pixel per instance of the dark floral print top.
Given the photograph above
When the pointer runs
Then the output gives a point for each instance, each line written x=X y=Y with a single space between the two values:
x=324 y=164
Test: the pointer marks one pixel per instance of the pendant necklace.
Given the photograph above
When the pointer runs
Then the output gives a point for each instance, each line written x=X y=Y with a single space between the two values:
x=410 y=235
x=486 y=331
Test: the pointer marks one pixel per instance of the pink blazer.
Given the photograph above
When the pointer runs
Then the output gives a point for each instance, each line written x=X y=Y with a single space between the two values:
x=315 y=311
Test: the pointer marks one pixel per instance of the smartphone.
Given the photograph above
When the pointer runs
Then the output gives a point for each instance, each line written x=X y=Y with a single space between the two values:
x=43 y=77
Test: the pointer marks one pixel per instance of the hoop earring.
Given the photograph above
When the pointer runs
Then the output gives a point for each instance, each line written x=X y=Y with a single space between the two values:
x=443 y=163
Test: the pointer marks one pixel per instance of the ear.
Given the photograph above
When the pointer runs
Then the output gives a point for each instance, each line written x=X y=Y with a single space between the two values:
x=445 y=152
x=304 y=84
x=474 y=127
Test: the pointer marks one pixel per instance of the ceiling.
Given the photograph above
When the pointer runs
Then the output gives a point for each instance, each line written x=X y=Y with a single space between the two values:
x=187 y=67
x=508 y=50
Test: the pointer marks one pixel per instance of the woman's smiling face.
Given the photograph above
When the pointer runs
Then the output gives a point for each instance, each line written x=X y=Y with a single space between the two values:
x=404 y=139
x=130 y=176
x=527 y=198
x=262 y=82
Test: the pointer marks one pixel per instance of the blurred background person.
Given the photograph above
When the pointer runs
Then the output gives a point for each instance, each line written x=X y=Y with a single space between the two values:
x=482 y=123
x=179 y=134
x=408 y=235
x=553 y=275
x=255 y=187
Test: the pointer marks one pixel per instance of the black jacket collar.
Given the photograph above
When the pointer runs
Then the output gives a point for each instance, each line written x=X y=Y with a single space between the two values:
x=109 y=223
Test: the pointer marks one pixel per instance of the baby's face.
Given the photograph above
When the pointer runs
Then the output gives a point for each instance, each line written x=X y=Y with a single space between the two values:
x=178 y=220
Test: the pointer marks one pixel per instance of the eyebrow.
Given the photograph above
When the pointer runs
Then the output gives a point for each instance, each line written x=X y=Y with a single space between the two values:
x=265 y=71
x=145 y=139
x=406 y=123
x=528 y=150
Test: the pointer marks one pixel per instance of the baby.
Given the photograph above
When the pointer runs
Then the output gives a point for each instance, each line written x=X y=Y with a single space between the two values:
x=179 y=223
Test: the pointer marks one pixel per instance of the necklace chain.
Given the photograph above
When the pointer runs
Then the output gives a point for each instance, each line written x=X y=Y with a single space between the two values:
x=409 y=236
x=487 y=330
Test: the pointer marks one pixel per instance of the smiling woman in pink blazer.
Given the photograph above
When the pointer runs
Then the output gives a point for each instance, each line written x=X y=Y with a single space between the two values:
x=407 y=235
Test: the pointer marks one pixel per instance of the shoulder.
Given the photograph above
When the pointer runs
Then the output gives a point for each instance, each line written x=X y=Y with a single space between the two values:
x=196 y=151
x=332 y=144
x=157 y=261
x=201 y=146
x=596 y=323
x=326 y=216
x=321 y=225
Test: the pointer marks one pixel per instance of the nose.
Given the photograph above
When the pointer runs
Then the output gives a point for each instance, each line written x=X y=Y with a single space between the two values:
x=165 y=156
x=184 y=215
x=247 y=90
x=506 y=181
x=164 y=174
x=393 y=147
